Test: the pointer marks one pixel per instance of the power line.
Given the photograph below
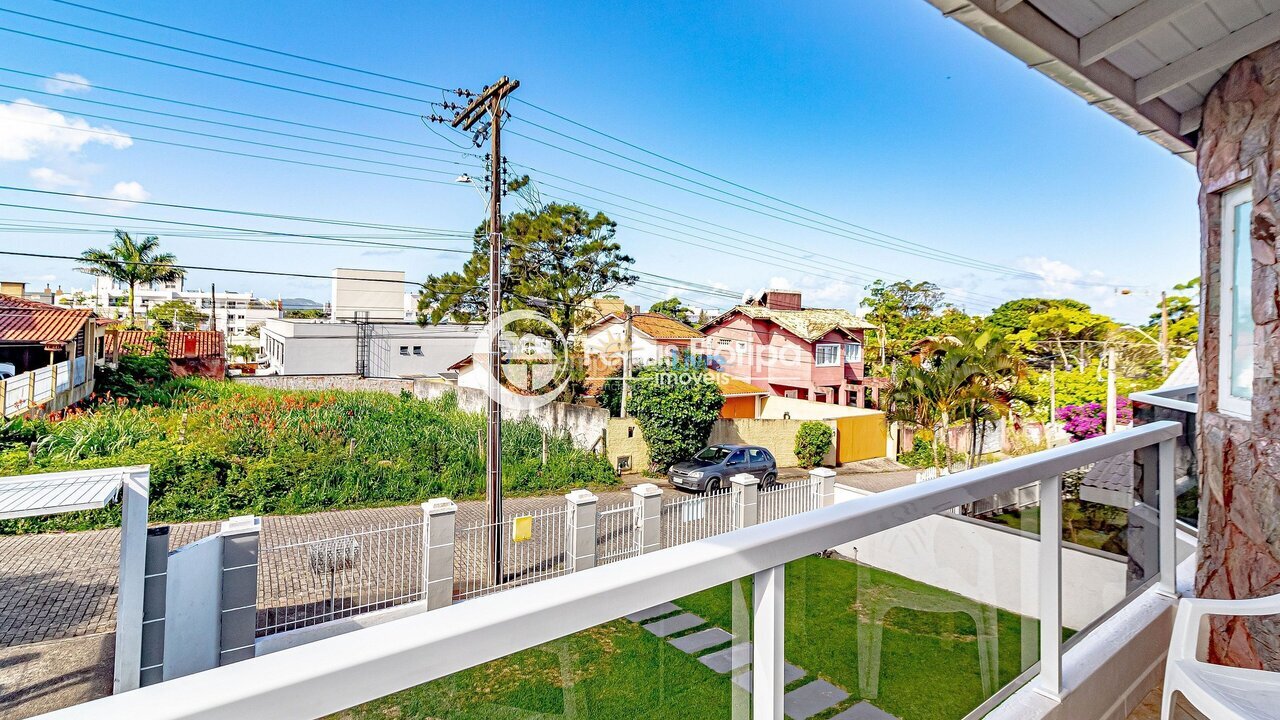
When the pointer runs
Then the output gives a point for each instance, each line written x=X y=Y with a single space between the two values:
x=214 y=108
x=923 y=252
x=218 y=38
x=210 y=73
x=934 y=253
x=233 y=126
x=224 y=151
x=248 y=213
x=225 y=227
x=220 y=58
x=858 y=237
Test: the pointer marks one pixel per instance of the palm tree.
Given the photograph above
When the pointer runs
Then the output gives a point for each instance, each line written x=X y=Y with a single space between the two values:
x=966 y=376
x=132 y=262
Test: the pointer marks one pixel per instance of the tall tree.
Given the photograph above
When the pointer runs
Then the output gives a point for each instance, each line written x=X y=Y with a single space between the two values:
x=132 y=262
x=1015 y=315
x=905 y=313
x=176 y=315
x=559 y=256
x=1059 y=326
x=674 y=309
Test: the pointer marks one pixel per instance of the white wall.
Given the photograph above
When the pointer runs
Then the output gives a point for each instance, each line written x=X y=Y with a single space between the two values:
x=989 y=564
x=586 y=425
x=329 y=348
x=608 y=341
x=379 y=292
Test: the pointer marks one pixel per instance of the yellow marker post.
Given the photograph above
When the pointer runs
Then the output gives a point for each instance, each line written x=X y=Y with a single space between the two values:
x=522 y=528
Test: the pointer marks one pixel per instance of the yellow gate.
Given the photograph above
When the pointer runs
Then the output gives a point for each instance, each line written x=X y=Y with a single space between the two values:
x=861 y=437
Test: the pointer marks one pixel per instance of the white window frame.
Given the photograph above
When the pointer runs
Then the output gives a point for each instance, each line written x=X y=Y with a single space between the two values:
x=1229 y=403
x=852 y=343
x=817 y=350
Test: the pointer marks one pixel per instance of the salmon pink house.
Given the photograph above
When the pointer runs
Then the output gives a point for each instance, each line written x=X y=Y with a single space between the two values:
x=792 y=351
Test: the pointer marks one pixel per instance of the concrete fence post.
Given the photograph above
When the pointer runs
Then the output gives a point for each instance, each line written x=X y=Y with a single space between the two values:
x=580 y=525
x=746 y=493
x=822 y=484
x=439 y=518
x=240 y=536
x=648 y=504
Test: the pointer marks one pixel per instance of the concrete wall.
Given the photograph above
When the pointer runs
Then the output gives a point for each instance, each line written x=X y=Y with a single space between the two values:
x=992 y=565
x=777 y=407
x=779 y=436
x=396 y=349
x=586 y=425
x=1240 y=475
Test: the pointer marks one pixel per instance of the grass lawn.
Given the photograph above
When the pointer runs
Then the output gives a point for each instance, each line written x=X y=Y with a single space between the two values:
x=928 y=670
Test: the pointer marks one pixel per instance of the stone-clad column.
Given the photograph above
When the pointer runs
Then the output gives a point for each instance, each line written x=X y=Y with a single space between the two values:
x=1240 y=456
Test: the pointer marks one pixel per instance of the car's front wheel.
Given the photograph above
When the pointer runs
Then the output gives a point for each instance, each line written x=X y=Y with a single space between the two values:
x=713 y=485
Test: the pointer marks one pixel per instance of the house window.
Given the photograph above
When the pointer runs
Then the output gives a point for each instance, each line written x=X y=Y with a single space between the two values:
x=853 y=352
x=404 y=349
x=826 y=354
x=1235 y=353
x=793 y=394
x=417 y=350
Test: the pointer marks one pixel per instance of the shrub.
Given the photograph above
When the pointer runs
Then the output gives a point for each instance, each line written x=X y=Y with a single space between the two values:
x=675 y=410
x=1082 y=422
x=813 y=442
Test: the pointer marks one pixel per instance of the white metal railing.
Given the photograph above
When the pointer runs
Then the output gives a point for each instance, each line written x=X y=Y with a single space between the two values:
x=782 y=501
x=695 y=518
x=336 y=673
x=306 y=583
x=525 y=560
x=617 y=533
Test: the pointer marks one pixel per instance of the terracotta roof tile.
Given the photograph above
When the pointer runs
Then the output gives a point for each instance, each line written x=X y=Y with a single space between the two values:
x=809 y=324
x=25 y=321
x=185 y=344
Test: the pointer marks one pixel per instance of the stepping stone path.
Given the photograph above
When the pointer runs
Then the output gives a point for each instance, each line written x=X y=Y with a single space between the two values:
x=701 y=640
x=673 y=625
x=800 y=704
x=864 y=711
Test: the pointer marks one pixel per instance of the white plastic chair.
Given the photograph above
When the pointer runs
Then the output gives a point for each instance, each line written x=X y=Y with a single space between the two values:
x=1217 y=691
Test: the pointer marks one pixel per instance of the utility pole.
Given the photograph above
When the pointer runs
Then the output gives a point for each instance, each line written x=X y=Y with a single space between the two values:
x=1164 y=332
x=1053 y=393
x=489 y=102
x=213 y=306
x=1111 y=390
x=626 y=363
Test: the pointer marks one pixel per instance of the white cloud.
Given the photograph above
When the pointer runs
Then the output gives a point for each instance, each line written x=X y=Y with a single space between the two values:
x=63 y=83
x=130 y=191
x=50 y=179
x=28 y=130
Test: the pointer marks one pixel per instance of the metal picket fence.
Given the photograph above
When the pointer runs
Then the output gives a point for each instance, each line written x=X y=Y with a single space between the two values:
x=697 y=517
x=524 y=560
x=315 y=581
x=617 y=533
x=782 y=501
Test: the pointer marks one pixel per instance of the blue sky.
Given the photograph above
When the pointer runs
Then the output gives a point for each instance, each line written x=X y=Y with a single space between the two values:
x=885 y=115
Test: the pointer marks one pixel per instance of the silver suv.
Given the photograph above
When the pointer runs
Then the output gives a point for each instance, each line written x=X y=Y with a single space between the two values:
x=711 y=468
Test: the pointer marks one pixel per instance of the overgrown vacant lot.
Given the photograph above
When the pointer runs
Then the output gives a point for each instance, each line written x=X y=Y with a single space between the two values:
x=218 y=449
x=928 y=663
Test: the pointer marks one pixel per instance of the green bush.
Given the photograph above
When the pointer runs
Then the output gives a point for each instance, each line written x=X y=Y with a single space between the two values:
x=675 y=408
x=813 y=442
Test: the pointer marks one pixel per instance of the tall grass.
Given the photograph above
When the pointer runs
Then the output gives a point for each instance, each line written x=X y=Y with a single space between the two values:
x=217 y=448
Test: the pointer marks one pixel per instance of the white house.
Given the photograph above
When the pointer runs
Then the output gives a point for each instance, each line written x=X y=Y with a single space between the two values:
x=374 y=349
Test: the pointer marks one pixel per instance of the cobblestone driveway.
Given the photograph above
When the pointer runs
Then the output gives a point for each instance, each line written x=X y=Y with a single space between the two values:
x=61 y=585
